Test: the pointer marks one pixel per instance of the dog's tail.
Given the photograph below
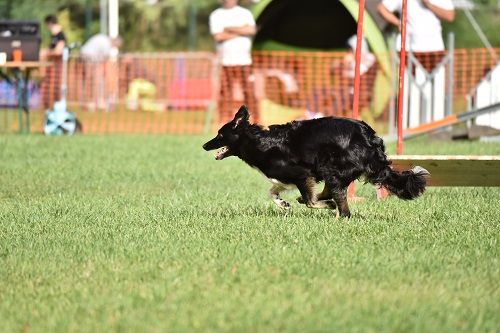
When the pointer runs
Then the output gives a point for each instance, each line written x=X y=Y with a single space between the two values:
x=406 y=185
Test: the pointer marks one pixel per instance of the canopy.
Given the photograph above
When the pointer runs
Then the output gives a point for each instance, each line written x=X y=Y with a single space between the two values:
x=316 y=25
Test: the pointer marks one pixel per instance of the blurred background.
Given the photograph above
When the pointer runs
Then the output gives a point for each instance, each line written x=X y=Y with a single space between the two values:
x=183 y=24
x=166 y=79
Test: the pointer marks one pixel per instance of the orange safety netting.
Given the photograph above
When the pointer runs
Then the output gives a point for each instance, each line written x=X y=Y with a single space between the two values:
x=188 y=92
x=310 y=84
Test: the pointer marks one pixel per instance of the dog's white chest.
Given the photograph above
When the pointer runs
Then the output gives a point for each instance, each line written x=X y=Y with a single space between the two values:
x=277 y=183
x=283 y=185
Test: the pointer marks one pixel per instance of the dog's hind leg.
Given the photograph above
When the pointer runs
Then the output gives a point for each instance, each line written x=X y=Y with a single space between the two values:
x=308 y=195
x=326 y=194
x=274 y=194
x=340 y=198
x=339 y=195
x=323 y=200
x=323 y=204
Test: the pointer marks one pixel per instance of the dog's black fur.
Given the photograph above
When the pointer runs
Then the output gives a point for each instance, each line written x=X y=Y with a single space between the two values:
x=334 y=150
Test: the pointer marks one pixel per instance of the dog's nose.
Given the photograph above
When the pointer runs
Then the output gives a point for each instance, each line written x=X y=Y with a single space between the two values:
x=205 y=146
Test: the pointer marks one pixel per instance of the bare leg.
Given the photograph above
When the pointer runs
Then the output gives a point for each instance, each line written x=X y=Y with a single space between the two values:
x=274 y=193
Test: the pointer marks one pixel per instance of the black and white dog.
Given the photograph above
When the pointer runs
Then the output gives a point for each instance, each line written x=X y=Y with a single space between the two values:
x=302 y=153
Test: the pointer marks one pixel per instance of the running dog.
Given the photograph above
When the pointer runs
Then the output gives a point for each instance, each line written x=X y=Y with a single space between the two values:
x=302 y=153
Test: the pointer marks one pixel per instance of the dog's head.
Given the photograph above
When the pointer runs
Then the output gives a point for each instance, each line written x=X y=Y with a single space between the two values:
x=228 y=135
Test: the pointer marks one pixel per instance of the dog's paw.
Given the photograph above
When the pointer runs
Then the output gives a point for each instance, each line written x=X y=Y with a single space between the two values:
x=284 y=205
x=330 y=204
x=324 y=204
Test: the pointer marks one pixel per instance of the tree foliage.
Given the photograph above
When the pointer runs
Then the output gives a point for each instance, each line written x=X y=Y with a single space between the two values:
x=144 y=24
x=160 y=25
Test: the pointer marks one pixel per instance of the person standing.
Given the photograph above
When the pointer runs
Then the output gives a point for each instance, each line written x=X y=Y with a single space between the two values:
x=100 y=47
x=232 y=28
x=57 y=37
x=100 y=71
x=52 y=80
x=424 y=32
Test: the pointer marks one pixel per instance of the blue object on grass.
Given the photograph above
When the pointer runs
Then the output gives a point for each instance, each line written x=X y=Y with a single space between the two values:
x=59 y=121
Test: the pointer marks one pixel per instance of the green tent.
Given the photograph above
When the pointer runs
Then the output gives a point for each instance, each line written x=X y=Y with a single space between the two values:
x=316 y=25
x=323 y=25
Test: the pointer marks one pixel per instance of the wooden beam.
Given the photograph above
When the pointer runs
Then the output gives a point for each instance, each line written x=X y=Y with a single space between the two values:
x=448 y=170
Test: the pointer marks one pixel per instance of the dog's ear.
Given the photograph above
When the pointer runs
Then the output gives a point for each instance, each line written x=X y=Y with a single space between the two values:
x=241 y=116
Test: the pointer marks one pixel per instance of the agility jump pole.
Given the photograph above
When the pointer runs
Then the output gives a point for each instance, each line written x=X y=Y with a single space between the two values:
x=357 y=76
x=402 y=65
x=357 y=67
x=382 y=192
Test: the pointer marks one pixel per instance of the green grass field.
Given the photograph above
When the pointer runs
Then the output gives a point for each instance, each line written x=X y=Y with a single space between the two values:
x=150 y=233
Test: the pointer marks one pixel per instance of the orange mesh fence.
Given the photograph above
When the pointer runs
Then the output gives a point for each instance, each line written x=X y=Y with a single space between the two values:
x=470 y=67
x=188 y=92
x=428 y=101
x=310 y=84
x=137 y=93
x=144 y=93
x=51 y=82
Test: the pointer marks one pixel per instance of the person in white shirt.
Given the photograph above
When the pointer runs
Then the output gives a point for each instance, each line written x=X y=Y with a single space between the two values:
x=99 y=71
x=232 y=28
x=423 y=22
x=100 y=47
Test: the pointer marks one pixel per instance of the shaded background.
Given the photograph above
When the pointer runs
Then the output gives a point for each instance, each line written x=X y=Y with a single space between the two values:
x=181 y=25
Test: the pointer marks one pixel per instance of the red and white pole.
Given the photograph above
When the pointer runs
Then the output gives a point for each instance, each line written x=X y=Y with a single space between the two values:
x=382 y=192
x=402 y=65
x=357 y=55
x=357 y=75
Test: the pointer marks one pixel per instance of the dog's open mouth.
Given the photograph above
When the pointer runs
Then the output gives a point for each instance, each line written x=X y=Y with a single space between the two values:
x=222 y=153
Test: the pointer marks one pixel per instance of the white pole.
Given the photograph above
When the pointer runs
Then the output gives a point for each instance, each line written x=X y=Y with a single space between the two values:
x=113 y=18
x=113 y=24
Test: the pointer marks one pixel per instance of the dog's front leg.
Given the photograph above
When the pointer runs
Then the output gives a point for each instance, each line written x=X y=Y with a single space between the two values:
x=274 y=194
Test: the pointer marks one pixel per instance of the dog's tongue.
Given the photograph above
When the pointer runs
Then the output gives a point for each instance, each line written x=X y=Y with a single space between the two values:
x=219 y=155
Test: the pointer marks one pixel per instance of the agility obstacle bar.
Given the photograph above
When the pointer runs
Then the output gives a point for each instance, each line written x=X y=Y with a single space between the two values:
x=448 y=121
x=444 y=170
x=449 y=170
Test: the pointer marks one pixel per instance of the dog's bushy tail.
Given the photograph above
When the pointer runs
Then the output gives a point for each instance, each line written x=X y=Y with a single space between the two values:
x=406 y=185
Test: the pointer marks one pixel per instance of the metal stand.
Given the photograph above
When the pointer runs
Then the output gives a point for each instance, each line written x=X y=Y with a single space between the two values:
x=426 y=102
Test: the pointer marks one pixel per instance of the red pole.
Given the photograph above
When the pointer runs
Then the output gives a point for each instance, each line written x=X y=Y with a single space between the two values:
x=357 y=76
x=402 y=65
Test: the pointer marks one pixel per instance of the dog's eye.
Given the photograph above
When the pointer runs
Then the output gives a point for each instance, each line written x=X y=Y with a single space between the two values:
x=221 y=136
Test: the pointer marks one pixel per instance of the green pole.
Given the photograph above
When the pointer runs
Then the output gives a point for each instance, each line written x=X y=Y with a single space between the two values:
x=20 y=98
x=192 y=25
x=88 y=19
x=8 y=9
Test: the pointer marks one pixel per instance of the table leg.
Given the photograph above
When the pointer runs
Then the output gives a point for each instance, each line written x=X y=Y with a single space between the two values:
x=19 y=94
x=26 y=101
